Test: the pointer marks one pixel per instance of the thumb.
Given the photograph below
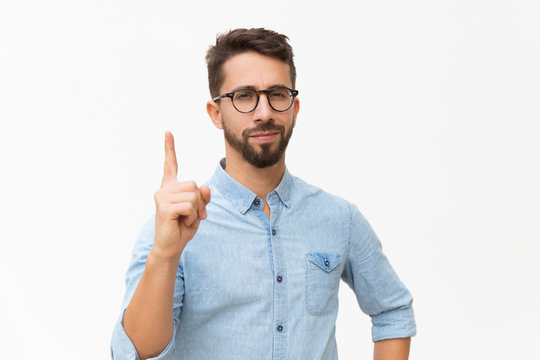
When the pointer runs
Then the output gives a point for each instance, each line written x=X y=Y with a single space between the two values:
x=205 y=194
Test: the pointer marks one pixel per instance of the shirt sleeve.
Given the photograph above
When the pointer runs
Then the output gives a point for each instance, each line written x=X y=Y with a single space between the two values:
x=121 y=346
x=379 y=291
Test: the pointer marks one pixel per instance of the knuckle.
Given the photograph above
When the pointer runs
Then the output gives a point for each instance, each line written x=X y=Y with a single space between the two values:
x=186 y=186
x=168 y=187
x=192 y=197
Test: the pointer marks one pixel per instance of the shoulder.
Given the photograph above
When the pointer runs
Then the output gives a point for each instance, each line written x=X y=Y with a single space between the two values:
x=328 y=205
x=319 y=199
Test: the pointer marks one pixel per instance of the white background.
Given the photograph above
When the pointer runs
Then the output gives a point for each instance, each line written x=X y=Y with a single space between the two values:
x=423 y=113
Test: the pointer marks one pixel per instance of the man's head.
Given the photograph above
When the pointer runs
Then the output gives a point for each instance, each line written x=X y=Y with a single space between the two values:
x=259 y=60
x=238 y=41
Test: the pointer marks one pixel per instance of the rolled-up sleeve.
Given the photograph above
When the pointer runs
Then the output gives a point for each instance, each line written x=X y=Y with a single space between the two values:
x=121 y=346
x=379 y=291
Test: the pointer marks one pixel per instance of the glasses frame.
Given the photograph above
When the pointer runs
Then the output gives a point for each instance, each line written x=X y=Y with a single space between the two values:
x=293 y=94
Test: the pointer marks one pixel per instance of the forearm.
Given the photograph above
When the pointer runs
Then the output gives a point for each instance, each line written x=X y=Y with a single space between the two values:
x=148 y=320
x=392 y=349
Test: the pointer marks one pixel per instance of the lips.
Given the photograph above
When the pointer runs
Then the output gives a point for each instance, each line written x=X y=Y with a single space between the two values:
x=264 y=136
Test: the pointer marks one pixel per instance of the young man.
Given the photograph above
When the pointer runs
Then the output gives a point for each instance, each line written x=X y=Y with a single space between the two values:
x=254 y=273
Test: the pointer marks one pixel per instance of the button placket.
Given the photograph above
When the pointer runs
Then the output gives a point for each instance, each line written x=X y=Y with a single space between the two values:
x=280 y=338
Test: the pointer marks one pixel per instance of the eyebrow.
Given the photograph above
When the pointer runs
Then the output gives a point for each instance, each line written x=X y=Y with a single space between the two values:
x=253 y=87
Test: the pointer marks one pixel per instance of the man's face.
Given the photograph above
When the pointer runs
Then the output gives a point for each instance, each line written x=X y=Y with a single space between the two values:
x=262 y=135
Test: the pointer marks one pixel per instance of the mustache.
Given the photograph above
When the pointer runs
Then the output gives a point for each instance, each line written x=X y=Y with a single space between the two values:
x=262 y=127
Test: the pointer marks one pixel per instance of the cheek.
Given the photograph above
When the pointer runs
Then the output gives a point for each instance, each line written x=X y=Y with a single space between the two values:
x=288 y=120
x=233 y=122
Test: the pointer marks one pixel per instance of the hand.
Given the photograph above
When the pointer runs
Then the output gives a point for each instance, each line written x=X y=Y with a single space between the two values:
x=180 y=206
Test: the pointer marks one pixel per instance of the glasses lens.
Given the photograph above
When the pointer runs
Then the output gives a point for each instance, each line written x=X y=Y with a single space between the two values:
x=280 y=99
x=245 y=100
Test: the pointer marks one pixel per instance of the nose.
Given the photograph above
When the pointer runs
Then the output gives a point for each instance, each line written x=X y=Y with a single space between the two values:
x=263 y=111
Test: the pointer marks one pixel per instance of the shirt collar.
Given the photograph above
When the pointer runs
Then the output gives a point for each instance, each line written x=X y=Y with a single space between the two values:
x=240 y=196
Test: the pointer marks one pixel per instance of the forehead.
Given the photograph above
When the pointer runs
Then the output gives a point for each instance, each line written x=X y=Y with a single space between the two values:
x=251 y=69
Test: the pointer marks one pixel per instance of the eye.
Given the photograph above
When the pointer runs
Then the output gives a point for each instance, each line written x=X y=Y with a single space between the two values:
x=280 y=94
x=244 y=95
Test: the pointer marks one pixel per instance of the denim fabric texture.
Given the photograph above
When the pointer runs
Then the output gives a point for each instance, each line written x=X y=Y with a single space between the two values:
x=253 y=287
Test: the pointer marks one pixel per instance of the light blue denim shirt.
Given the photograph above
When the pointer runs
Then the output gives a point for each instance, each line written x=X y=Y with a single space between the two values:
x=253 y=287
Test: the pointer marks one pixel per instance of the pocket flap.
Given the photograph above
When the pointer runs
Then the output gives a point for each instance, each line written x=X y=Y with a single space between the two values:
x=326 y=261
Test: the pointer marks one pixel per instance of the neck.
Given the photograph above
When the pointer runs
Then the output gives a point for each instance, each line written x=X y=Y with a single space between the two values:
x=260 y=181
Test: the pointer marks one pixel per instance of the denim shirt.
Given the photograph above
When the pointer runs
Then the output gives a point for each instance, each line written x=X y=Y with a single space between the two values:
x=253 y=287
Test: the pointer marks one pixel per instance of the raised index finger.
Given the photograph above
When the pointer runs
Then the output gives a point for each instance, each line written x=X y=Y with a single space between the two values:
x=170 y=168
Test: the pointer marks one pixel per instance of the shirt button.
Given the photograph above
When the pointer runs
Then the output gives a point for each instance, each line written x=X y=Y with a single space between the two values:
x=326 y=263
x=274 y=232
x=256 y=202
x=279 y=278
x=280 y=328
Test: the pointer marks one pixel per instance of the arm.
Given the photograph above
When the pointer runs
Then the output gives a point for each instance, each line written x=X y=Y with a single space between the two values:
x=392 y=349
x=148 y=319
x=150 y=327
x=379 y=291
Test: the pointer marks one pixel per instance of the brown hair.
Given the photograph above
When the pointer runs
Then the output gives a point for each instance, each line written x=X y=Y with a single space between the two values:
x=238 y=41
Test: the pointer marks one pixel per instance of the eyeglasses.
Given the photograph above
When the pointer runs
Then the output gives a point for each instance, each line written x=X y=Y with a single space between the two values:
x=280 y=98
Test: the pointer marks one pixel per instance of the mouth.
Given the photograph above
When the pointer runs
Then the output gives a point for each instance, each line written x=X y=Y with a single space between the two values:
x=264 y=136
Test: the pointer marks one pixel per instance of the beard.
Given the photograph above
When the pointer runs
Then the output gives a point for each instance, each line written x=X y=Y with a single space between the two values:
x=266 y=156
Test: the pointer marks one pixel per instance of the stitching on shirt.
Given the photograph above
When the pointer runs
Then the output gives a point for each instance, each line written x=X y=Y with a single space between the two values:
x=349 y=241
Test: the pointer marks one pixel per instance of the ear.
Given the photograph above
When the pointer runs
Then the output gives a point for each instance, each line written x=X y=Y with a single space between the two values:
x=215 y=113
x=296 y=108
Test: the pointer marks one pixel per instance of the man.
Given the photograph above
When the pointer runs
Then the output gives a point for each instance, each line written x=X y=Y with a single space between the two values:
x=254 y=273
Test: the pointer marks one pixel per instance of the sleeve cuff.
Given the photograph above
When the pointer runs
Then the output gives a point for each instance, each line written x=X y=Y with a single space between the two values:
x=393 y=324
x=123 y=349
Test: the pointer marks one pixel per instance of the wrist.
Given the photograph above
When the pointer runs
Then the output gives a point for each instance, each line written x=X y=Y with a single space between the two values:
x=157 y=257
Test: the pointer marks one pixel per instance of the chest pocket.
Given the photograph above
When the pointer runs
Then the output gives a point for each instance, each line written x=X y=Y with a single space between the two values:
x=323 y=273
